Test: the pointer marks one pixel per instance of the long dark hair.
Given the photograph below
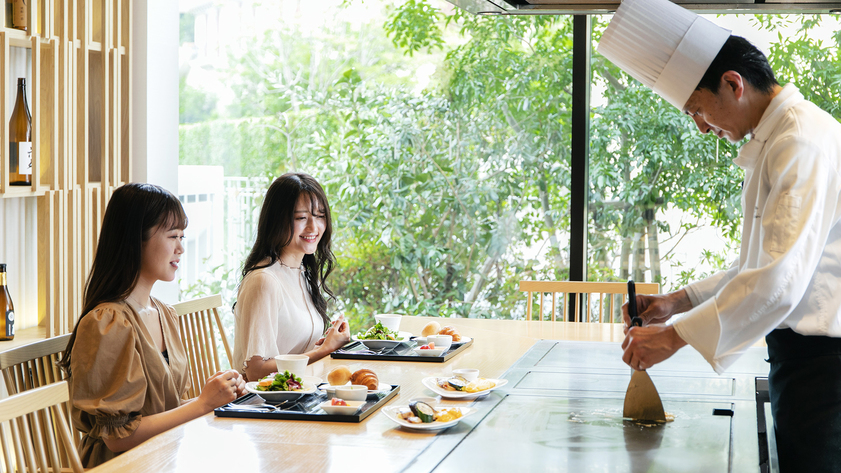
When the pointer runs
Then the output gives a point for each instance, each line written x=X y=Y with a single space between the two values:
x=275 y=229
x=134 y=214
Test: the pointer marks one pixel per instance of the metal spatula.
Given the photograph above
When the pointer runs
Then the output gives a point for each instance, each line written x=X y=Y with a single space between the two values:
x=642 y=402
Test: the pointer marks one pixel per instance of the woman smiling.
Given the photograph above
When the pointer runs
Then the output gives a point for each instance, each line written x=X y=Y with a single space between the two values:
x=280 y=307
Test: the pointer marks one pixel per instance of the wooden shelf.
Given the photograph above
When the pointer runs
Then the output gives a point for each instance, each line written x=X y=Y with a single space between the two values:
x=81 y=121
x=23 y=191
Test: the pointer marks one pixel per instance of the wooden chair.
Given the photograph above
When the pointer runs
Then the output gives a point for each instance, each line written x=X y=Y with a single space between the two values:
x=196 y=319
x=601 y=295
x=33 y=365
x=31 y=424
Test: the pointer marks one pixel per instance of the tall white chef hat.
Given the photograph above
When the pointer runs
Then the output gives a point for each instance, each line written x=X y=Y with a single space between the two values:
x=662 y=45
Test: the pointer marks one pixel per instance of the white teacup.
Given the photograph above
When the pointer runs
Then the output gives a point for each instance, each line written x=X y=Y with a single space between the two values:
x=440 y=341
x=467 y=373
x=295 y=364
x=354 y=392
x=389 y=321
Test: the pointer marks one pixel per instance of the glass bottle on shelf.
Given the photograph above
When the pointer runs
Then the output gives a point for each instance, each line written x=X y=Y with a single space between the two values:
x=19 y=13
x=7 y=322
x=20 y=140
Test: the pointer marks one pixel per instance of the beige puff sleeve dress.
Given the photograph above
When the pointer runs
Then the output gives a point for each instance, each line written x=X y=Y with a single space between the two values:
x=118 y=375
x=274 y=315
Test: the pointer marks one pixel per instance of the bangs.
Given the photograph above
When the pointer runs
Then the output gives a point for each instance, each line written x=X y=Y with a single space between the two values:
x=318 y=205
x=174 y=216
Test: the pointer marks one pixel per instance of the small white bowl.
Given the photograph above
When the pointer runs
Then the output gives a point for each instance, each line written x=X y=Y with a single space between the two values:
x=466 y=373
x=440 y=341
x=429 y=351
x=295 y=364
x=351 y=408
x=353 y=392
x=389 y=321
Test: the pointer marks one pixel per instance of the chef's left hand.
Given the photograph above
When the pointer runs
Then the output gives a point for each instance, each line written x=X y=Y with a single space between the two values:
x=646 y=346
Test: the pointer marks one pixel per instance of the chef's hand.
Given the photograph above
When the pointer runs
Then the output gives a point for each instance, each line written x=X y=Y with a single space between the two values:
x=657 y=309
x=646 y=346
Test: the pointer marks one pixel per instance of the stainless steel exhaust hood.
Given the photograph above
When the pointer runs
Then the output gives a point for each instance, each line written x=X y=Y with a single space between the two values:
x=576 y=7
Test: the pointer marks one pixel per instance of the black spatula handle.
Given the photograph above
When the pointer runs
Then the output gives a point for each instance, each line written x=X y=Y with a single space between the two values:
x=636 y=321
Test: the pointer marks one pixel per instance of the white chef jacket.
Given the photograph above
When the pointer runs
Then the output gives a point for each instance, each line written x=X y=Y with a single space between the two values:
x=788 y=274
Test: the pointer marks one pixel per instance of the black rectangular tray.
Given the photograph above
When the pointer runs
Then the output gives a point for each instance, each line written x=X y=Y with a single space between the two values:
x=306 y=408
x=402 y=352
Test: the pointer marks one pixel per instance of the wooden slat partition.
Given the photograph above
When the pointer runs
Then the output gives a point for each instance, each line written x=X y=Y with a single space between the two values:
x=81 y=113
x=605 y=294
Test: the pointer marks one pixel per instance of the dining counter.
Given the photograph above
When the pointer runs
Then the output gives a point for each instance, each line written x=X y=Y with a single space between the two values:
x=501 y=348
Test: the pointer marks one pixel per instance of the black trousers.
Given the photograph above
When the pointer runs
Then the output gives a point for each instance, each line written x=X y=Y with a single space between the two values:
x=805 y=389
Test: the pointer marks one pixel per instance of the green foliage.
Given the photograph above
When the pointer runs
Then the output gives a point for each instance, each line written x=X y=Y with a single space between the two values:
x=441 y=196
x=414 y=26
x=194 y=105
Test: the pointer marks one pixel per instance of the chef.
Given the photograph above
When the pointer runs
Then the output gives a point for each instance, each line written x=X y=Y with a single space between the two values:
x=786 y=284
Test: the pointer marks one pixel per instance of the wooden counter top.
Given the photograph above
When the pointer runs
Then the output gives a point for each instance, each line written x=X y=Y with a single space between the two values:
x=376 y=444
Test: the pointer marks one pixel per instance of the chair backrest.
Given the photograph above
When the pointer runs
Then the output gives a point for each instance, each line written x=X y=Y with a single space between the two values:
x=33 y=365
x=34 y=434
x=196 y=319
x=607 y=297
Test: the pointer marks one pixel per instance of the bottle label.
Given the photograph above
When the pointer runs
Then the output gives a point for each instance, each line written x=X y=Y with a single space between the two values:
x=25 y=157
x=10 y=323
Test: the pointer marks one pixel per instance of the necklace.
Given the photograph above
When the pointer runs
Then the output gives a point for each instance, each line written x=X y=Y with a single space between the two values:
x=299 y=268
x=143 y=307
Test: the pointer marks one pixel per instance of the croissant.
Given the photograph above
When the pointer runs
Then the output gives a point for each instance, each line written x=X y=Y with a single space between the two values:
x=452 y=331
x=365 y=378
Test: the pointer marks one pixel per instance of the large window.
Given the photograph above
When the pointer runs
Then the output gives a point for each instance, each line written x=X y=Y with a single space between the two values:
x=443 y=142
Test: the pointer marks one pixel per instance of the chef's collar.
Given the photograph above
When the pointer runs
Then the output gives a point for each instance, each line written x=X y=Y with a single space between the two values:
x=662 y=45
x=784 y=100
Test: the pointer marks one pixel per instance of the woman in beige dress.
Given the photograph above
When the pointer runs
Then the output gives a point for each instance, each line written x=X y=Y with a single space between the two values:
x=281 y=308
x=125 y=358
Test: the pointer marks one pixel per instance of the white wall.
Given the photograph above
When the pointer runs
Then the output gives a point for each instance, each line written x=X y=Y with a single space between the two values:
x=154 y=57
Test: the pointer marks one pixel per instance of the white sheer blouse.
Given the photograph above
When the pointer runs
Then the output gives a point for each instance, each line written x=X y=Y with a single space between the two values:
x=274 y=315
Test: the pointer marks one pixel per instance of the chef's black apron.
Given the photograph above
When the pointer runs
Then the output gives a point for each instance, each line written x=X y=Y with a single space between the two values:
x=805 y=389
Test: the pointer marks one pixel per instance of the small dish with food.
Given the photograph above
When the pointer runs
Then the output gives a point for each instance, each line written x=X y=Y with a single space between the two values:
x=281 y=387
x=338 y=406
x=420 y=415
x=457 y=387
x=429 y=350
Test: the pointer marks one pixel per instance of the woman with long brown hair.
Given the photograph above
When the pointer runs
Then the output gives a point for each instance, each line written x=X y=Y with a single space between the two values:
x=280 y=307
x=126 y=362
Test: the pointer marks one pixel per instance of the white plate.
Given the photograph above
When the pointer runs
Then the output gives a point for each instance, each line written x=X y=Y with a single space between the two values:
x=422 y=341
x=392 y=413
x=378 y=344
x=382 y=388
x=275 y=396
x=351 y=408
x=431 y=383
x=429 y=351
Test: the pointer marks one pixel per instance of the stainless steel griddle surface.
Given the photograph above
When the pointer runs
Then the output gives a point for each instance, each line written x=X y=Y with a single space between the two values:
x=562 y=411
x=589 y=435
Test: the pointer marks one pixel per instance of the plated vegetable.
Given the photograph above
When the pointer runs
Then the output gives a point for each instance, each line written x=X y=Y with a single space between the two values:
x=280 y=382
x=379 y=332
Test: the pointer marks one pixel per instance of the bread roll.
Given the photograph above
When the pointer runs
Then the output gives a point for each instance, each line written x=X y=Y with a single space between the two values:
x=431 y=328
x=365 y=377
x=452 y=331
x=339 y=376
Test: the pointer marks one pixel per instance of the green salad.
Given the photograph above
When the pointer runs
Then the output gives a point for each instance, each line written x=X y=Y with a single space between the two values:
x=378 y=332
x=280 y=382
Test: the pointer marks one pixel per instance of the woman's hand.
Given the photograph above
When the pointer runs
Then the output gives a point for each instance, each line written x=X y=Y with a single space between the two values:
x=220 y=389
x=337 y=336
